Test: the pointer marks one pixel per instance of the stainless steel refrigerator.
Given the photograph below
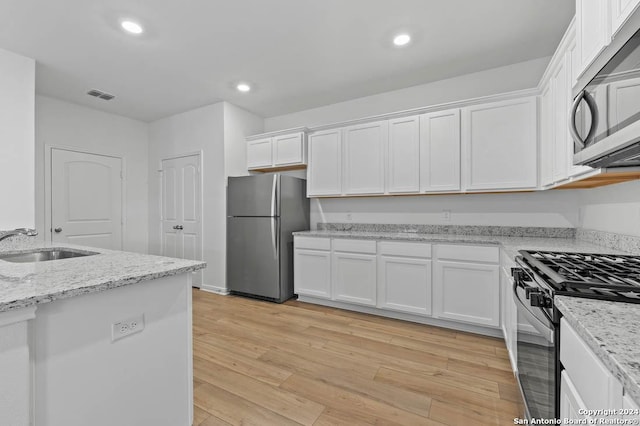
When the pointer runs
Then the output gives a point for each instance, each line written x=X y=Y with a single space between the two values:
x=262 y=212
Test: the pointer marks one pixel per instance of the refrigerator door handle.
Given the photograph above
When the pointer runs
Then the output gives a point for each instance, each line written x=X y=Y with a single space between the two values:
x=274 y=238
x=274 y=195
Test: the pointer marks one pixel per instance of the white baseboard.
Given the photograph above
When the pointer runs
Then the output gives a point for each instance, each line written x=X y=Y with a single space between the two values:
x=213 y=289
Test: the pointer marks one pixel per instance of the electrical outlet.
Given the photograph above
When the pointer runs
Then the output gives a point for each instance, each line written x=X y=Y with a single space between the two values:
x=127 y=327
x=446 y=215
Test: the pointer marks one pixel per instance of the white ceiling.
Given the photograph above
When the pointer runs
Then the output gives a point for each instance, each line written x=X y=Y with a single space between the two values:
x=298 y=54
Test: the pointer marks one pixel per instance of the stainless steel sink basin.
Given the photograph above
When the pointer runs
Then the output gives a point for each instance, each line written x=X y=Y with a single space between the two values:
x=44 y=255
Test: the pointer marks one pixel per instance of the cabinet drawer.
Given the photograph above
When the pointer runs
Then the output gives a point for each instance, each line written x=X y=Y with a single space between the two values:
x=354 y=246
x=598 y=388
x=398 y=248
x=468 y=253
x=312 y=243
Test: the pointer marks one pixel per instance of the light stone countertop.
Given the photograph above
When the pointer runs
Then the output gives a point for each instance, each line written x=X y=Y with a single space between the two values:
x=26 y=284
x=510 y=244
x=612 y=331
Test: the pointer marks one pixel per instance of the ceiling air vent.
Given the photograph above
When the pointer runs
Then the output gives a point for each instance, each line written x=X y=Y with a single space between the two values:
x=100 y=94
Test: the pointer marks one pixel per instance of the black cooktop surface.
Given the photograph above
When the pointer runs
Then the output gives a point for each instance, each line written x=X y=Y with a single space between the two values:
x=593 y=275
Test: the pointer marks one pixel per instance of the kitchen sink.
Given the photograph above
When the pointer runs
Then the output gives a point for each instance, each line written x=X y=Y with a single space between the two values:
x=44 y=255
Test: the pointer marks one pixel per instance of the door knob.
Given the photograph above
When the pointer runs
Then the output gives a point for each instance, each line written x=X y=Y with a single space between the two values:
x=178 y=227
x=58 y=230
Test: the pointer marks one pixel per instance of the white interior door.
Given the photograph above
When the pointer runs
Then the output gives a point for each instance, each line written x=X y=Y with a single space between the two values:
x=86 y=199
x=181 y=210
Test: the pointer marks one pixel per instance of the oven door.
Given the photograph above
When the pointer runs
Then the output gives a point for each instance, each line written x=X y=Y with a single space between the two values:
x=537 y=357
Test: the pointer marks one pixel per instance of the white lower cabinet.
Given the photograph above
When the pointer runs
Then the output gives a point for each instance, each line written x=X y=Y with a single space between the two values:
x=404 y=277
x=465 y=289
x=508 y=312
x=312 y=267
x=353 y=265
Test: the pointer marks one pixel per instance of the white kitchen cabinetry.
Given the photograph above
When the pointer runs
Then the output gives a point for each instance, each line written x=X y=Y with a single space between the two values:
x=324 y=175
x=499 y=145
x=353 y=266
x=259 y=154
x=404 y=277
x=630 y=409
x=620 y=10
x=364 y=152
x=403 y=167
x=598 y=389
x=440 y=151
x=312 y=267
x=593 y=30
x=466 y=284
x=546 y=135
x=277 y=151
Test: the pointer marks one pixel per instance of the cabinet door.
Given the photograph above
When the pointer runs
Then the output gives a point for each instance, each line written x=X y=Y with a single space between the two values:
x=312 y=273
x=404 y=284
x=546 y=135
x=467 y=292
x=324 y=173
x=354 y=278
x=592 y=30
x=499 y=142
x=364 y=153
x=289 y=149
x=571 y=404
x=440 y=151
x=620 y=11
x=561 y=137
x=403 y=169
x=508 y=315
x=631 y=411
x=259 y=154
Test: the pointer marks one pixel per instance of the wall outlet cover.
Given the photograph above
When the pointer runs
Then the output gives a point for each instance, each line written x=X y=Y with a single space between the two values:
x=127 y=327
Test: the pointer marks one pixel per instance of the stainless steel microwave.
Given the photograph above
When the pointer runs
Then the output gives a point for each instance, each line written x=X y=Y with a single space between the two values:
x=604 y=120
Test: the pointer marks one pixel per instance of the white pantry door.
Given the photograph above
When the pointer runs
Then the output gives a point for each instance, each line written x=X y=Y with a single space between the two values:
x=181 y=210
x=86 y=199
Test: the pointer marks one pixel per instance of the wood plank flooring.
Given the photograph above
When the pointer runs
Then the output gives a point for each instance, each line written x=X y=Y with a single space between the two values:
x=259 y=363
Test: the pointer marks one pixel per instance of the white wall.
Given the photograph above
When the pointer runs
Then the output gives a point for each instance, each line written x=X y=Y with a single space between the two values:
x=547 y=209
x=238 y=124
x=17 y=93
x=613 y=208
x=63 y=124
x=524 y=75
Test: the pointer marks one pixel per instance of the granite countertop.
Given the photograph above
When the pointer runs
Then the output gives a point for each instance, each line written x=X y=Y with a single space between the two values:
x=26 y=284
x=510 y=244
x=612 y=331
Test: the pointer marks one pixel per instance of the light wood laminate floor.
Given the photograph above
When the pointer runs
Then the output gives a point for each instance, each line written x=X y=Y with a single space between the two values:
x=260 y=363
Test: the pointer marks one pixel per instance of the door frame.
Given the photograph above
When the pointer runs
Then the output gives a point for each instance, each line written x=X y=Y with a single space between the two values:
x=199 y=154
x=48 y=188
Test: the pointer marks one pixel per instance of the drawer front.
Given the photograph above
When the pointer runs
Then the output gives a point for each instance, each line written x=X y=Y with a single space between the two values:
x=593 y=382
x=312 y=243
x=401 y=248
x=468 y=253
x=354 y=246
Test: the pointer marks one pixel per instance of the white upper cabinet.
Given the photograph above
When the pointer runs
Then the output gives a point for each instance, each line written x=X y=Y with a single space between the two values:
x=440 y=151
x=289 y=149
x=619 y=12
x=593 y=30
x=259 y=154
x=499 y=145
x=364 y=151
x=546 y=135
x=561 y=137
x=324 y=175
x=277 y=151
x=403 y=167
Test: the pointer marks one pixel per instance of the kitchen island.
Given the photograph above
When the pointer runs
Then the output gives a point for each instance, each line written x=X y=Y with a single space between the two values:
x=101 y=339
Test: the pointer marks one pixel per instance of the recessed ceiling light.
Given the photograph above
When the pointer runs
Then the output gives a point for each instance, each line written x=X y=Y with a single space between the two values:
x=401 y=39
x=132 y=27
x=243 y=87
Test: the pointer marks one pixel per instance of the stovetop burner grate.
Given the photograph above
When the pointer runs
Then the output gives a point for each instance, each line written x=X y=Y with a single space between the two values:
x=602 y=276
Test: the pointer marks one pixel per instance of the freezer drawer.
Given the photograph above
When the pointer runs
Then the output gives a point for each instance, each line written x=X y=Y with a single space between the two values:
x=253 y=196
x=253 y=262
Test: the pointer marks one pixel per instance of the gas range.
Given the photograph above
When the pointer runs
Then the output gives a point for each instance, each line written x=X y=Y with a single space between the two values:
x=596 y=276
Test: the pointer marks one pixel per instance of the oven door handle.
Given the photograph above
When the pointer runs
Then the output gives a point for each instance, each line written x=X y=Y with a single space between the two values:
x=545 y=329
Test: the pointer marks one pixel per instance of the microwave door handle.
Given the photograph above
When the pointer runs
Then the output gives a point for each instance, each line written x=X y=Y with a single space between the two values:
x=577 y=140
x=593 y=107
